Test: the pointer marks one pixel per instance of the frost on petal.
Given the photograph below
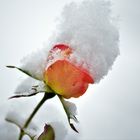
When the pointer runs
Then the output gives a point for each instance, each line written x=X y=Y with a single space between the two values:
x=30 y=86
x=90 y=29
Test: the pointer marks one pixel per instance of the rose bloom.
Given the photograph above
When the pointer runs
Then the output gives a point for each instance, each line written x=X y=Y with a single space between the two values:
x=63 y=76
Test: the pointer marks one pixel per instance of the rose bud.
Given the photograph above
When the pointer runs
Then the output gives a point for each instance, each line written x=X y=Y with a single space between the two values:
x=64 y=76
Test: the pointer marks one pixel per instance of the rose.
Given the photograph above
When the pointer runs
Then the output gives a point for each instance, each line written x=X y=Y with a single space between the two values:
x=63 y=76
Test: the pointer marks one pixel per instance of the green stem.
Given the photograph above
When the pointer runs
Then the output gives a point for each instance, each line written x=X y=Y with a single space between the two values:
x=46 y=96
x=34 y=112
x=21 y=134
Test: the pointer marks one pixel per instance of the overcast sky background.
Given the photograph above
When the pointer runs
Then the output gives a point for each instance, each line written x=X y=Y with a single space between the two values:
x=109 y=110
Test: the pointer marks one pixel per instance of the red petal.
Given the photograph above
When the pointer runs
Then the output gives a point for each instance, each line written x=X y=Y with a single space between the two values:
x=61 y=46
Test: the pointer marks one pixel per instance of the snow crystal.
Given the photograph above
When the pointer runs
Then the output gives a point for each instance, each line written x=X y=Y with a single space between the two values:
x=90 y=30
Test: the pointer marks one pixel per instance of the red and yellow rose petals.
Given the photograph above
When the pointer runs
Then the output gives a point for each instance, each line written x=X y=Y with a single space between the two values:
x=66 y=78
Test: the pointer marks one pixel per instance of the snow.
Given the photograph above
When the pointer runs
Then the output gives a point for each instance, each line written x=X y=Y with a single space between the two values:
x=51 y=113
x=71 y=107
x=14 y=117
x=59 y=129
x=90 y=30
x=30 y=86
x=35 y=63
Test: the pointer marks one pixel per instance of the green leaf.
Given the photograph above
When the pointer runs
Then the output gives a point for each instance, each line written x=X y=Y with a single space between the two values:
x=50 y=95
x=24 y=95
x=73 y=127
x=24 y=71
x=69 y=112
x=48 y=133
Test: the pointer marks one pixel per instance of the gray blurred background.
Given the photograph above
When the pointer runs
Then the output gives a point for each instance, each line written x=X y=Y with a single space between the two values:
x=109 y=110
